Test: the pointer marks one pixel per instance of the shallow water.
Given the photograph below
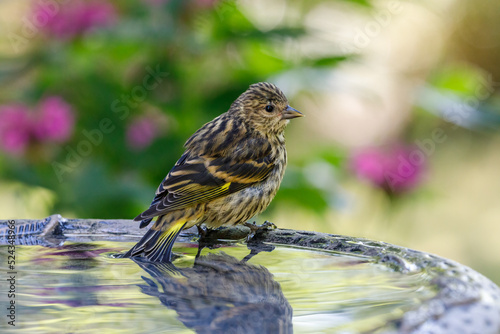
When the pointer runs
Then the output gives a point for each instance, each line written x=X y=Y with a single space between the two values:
x=82 y=288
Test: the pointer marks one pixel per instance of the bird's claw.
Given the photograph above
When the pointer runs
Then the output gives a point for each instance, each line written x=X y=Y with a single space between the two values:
x=267 y=225
x=254 y=228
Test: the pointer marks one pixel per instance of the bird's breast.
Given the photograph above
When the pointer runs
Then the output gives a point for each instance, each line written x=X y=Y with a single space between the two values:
x=240 y=206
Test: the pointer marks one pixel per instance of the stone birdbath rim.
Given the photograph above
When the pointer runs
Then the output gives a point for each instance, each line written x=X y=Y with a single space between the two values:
x=465 y=300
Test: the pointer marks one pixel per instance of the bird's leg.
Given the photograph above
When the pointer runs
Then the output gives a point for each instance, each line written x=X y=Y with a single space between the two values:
x=202 y=232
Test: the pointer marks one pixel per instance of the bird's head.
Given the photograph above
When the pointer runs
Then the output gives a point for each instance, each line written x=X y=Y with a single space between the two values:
x=265 y=108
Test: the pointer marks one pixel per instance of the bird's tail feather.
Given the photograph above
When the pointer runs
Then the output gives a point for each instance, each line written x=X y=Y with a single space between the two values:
x=156 y=246
x=145 y=222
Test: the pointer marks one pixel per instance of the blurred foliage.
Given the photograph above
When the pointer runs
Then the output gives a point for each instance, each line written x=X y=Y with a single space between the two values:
x=464 y=95
x=204 y=54
x=208 y=53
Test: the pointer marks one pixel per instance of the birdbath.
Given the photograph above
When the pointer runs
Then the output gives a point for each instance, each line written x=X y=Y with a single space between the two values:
x=69 y=278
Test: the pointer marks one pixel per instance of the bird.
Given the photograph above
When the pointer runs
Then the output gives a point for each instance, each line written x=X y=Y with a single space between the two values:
x=230 y=171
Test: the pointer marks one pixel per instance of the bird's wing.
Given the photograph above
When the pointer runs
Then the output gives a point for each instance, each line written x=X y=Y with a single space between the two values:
x=202 y=178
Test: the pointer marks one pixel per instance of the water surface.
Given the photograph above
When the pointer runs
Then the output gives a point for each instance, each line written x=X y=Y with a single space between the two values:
x=82 y=288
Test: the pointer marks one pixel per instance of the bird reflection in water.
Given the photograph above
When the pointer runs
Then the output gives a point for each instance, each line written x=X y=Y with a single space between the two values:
x=220 y=294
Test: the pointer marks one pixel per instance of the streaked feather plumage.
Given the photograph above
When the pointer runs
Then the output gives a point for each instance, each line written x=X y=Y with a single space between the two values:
x=230 y=171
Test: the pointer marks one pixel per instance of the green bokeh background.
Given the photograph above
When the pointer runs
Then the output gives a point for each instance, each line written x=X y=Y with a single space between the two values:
x=211 y=52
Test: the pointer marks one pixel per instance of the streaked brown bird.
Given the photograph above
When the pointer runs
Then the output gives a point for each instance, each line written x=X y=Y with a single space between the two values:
x=231 y=170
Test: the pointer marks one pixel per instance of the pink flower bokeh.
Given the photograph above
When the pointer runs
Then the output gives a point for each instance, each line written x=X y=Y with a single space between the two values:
x=53 y=120
x=141 y=132
x=15 y=128
x=75 y=17
x=396 y=169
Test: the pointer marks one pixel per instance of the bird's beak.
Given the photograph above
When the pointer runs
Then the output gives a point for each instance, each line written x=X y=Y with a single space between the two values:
x=290 y=113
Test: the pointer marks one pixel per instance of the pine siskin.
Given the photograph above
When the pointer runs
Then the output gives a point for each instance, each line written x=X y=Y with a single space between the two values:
x=231 y=170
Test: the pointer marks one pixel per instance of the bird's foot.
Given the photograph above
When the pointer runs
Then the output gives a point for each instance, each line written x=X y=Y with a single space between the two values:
x=255 y=229
x=267 y=225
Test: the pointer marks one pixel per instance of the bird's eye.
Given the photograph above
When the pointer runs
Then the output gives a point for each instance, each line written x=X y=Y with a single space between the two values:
x=269 y=108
